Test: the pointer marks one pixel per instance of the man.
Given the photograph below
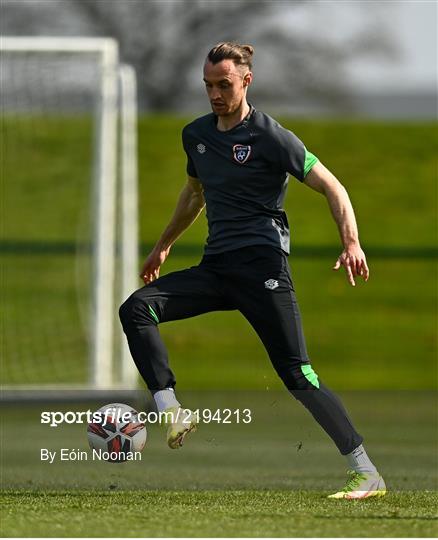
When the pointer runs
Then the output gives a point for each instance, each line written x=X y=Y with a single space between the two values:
x=238 y=165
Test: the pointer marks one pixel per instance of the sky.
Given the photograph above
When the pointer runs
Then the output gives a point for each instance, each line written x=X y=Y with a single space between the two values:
x=411 y=26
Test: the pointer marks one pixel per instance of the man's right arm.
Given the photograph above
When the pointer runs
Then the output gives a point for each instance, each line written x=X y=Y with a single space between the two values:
x=190 y=204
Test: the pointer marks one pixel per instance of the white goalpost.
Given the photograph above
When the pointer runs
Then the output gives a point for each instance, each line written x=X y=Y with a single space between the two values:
x=78 y=86
x=129 y=204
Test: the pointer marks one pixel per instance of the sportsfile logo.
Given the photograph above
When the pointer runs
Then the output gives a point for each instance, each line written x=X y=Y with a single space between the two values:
x=116 y=415
x=55 y=418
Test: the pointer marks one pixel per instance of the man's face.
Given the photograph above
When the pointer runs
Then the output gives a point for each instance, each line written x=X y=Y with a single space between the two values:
x=226 y=86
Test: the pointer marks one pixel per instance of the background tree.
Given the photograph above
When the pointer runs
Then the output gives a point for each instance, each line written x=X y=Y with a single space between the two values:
x=166 y=42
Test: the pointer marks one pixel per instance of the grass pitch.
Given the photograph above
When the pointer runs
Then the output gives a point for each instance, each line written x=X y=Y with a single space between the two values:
x=230 y=513
x=266 y=478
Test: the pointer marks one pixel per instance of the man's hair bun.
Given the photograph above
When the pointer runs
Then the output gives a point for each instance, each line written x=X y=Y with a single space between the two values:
x=241 y=55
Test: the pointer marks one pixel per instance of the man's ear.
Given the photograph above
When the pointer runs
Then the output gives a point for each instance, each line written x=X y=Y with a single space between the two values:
x=247 y=79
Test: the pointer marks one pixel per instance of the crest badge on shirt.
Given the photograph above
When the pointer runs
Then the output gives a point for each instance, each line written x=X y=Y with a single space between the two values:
x=241 y=153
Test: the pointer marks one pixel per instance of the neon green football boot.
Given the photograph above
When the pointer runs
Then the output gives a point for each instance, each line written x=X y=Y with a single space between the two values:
x=361 y=486
x=179 y=423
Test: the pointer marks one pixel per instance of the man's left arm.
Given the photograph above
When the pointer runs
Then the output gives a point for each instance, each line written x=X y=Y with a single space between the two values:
x=352 y=258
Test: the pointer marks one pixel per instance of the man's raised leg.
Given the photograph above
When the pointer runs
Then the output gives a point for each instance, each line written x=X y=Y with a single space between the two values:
x=177 y=295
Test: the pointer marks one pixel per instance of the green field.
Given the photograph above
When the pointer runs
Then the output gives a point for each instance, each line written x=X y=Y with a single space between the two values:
x=241 y=513
x=391 y=175
x=375 y=343
x=266 y=478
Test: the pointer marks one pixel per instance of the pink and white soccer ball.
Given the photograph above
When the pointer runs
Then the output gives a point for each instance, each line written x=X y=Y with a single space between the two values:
x=116 y=432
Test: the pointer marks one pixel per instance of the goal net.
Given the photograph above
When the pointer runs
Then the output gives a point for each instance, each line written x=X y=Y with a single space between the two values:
x=69 y=237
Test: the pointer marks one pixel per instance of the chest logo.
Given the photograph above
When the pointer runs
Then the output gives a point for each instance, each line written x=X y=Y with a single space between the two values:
x=201 y=148
x=241 y=153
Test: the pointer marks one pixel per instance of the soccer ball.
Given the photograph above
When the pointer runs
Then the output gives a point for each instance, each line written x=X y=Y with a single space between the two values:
x=116 y=433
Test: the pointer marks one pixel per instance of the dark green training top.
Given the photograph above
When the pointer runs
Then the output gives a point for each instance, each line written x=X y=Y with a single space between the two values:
x=244 y=174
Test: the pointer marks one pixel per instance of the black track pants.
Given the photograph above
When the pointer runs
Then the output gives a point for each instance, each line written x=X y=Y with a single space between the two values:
x=256 y=281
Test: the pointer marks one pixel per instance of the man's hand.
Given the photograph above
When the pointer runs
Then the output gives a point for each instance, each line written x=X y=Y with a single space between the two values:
x=151 y=266
x=354 y=261
x=190 y=204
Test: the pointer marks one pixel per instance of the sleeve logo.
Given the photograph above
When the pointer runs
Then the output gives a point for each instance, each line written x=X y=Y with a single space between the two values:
x=241 y=153
x=201 y=148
